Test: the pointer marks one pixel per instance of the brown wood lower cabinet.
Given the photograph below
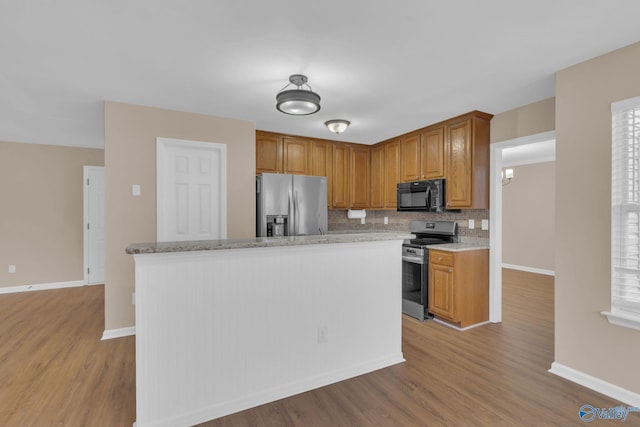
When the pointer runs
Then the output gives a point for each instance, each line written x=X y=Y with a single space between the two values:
x=459 y=286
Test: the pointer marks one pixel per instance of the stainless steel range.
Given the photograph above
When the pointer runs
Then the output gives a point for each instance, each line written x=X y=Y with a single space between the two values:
x=415 y=263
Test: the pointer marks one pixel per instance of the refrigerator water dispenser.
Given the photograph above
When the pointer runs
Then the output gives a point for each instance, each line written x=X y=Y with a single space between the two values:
x=277 y=225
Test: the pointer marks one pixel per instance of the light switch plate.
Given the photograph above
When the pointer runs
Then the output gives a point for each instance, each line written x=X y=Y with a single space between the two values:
x=12 y=268
x=472 y=224
x=485 y=224
x=135 y=190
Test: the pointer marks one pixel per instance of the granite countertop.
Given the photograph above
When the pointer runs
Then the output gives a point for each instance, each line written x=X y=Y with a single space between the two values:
x=262 y=242
x=466 y=244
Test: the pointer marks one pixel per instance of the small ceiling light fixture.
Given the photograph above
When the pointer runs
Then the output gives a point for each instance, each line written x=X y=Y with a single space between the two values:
x=338 y=125
x=299 y=101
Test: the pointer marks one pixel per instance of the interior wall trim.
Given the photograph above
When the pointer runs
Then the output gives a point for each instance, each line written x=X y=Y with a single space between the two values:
x=43 y=286
x=109 y=334
x=601 y=386
x=529 y=269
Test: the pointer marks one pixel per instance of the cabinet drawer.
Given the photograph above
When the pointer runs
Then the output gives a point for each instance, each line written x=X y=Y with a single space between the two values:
x=440 y=257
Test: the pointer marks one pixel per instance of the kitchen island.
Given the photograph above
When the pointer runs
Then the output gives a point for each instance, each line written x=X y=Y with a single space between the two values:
x=226 y=325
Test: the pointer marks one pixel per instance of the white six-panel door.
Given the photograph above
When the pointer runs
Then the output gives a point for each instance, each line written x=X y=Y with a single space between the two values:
x=191 y=190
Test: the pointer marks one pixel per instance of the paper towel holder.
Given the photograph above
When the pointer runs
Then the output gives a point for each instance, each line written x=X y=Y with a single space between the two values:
x=356 y=213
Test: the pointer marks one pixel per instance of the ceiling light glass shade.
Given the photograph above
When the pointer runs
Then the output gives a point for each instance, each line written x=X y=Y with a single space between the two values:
x=299 y=101
x=337 y=126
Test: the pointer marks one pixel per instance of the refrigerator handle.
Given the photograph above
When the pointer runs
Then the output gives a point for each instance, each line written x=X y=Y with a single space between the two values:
x=291 y=215
x=295 y=212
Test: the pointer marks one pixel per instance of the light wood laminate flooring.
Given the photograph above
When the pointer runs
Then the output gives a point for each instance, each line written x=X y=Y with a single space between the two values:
x=55 y=371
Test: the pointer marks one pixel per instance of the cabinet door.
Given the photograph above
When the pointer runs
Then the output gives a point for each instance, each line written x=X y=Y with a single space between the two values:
x=459 y=165
x=268 y=153
x=321 y=164
x=296 y=156
x=341 y=167
x=410 y=160
x=432 y=154
x=360 y=177
x=377 y=177
x=441 y=291
x=391 y=173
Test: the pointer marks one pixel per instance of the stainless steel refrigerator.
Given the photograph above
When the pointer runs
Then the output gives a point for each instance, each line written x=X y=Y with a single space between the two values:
x=290 y=205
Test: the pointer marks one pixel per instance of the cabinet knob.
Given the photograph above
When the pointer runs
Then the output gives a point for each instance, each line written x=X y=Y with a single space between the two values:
x=440 y=258
x=451 y=270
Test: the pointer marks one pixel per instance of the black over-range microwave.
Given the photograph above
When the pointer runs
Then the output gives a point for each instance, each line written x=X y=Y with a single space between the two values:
x=425 y=196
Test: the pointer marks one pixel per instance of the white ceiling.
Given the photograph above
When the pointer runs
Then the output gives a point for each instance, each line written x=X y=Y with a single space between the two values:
x=388 y=67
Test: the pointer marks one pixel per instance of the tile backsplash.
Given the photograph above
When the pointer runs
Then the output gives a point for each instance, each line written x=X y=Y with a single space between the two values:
x=399 y=221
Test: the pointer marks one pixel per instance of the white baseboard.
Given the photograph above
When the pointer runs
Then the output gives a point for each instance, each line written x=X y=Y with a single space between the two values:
x=109 y=334
x=623 y=395
x=42 y=287
x=529 y=269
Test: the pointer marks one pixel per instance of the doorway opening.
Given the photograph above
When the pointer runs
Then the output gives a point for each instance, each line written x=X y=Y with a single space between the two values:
x=495 y=229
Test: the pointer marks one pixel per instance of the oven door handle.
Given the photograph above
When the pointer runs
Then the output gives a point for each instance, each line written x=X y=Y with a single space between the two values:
x=412 y=260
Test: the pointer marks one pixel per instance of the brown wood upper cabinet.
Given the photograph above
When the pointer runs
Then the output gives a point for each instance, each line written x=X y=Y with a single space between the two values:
x=391 y=173
x=467 y=161
x=277 y=153
x=360 y=177
x=268 y=152
x=363 y=177
x=346 y=166
x=297 y=153
x=432 y=153
x=385 y=174
x=377 y=176
x=322 y=164
x=410 y=161
x=341 y=176
x=351 y=176
x=422 y=155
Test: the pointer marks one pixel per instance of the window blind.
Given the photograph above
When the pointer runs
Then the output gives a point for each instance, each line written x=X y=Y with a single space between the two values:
x=625 y=206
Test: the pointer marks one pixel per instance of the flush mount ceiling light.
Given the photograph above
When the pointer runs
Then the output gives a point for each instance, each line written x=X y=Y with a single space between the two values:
x=338 y=125
x=299 y=101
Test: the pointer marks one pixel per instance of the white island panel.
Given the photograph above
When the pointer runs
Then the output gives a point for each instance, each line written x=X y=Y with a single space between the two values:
x=224 y=330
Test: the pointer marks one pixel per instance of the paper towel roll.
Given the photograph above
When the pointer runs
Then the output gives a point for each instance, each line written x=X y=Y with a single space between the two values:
x=356 y=213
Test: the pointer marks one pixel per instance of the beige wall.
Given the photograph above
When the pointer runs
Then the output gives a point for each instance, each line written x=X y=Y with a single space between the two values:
x=528 y=217
x=530 y=119
x=584 y=340
x=41 y=218
x=130 y=158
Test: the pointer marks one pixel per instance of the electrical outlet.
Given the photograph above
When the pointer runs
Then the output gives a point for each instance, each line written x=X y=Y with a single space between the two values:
x=485 y=224
x=362 y=221
x=472 y=224
x=135 y=190
x=12 y=268
x=386 y=220
x=323 y=334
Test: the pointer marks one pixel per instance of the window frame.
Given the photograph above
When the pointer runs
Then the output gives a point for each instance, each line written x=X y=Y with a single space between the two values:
x=625 y=200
